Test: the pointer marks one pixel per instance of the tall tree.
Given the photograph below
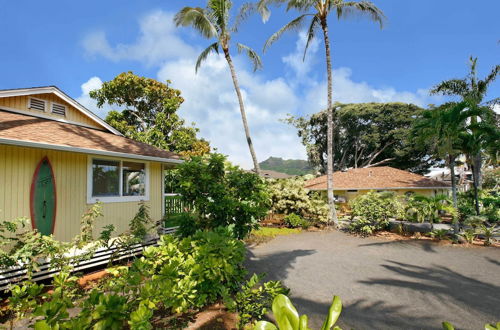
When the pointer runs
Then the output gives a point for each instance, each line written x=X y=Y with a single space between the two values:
x=148 y=113
x=367 y=135
x=472 y=92
x=213 y=22
x=319 y=11
x=442 y=128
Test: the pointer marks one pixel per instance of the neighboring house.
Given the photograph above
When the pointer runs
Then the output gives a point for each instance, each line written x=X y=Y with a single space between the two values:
x=463 y=176
x=351 y=183
x=57 y=158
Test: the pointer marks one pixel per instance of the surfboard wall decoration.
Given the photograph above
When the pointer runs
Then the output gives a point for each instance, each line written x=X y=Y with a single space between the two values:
x=43 y=198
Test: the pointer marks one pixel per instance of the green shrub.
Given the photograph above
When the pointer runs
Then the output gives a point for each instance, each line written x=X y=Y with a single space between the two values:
x=222 y=195
x=489 y=203
x=253 y=300
x=421 y=208
x=289 y=196
x=295 y=221
x=439 y=234
x=371 y=212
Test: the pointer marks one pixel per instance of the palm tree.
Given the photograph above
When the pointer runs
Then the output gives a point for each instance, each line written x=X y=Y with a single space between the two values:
x=442 y=128
x=212 y=22
x=432 y=206
x=319 y=11
x=472 y=91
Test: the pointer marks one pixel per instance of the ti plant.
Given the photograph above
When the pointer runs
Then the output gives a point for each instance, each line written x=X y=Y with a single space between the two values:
x=287 y=317
x=488 y=233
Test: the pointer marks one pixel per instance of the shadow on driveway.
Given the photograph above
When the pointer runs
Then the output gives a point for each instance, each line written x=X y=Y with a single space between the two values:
x=426 y=246
x=450 y=287
x=275 y=265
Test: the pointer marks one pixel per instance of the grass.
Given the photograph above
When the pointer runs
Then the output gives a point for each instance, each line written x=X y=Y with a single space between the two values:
x=265 y=234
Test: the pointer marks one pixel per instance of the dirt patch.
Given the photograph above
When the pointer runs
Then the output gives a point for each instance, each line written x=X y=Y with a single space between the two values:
x=390 y=236
x=215 y=317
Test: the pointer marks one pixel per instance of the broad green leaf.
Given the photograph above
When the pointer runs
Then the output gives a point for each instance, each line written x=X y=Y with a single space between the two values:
x=303 y=322
x=285 y=313
x=448 y=326
x=263 y=325
x=333 y=313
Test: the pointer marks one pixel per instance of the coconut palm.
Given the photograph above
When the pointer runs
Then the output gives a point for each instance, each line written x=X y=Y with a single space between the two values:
x=472 y=91
x=213 y=22
x=318 y=12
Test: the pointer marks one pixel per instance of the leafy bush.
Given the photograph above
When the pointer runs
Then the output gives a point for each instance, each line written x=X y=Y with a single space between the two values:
x=421 y=208
x=178 y=275
x=252 y=300
x=287 y=317
x=489 y=202
x=289 y=196
x=222 y=195
x=372 y=211
x=295 y=221
x=439 y=234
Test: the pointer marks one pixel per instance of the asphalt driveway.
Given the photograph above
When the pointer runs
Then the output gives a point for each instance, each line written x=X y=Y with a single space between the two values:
x=384 y=284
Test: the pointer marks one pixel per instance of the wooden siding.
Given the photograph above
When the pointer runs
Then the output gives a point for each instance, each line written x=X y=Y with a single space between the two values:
x=72 y=114
x=17 y=165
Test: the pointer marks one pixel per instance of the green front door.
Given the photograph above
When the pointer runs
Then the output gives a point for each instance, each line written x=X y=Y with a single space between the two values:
x=43 y=198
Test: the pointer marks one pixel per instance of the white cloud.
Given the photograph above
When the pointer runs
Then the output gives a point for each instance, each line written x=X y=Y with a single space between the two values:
x=157 y=42
x=85 y=100
x=210 y=99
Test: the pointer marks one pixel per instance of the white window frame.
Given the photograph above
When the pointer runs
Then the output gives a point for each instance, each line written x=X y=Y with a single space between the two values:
x=116 y=199
x=45 y=107
x=62 y=105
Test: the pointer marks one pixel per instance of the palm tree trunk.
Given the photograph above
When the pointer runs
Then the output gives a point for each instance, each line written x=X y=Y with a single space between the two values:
x=454 y=192
x=242 y=110
x=329 y=170
x=478 y=163
x=475 y=185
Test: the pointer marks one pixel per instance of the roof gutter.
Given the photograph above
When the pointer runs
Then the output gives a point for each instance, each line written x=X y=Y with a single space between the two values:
x=40 y=145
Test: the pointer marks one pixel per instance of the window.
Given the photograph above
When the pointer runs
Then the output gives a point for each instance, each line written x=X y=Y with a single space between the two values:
x=113 y=180
x=134 y=179
x=352 y=191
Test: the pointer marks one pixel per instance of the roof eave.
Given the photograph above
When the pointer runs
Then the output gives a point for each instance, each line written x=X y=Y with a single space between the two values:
x=23 y=143
x=62 y=95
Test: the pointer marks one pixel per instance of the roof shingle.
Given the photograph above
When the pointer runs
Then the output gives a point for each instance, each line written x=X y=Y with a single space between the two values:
x=20 y=127
x=383 y=177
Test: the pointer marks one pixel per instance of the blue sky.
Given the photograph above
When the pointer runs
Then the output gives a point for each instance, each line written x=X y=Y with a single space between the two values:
x=76 y=45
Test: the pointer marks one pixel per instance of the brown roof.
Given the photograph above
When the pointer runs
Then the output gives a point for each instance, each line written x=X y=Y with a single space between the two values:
x=383 y=177
x=274 y=174
x=33 y=130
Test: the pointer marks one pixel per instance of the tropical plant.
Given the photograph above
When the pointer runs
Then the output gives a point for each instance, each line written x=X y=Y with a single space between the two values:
x=372 y=211
x=319 y=11
x=428 y=208
x=472 y=92
x=149 y=113
x=441 y=128
x=439 y=234
x=222 y=195
x=287 y=317
x=142 y=223
x=213 y=22
x=294 y=221
x=289 y=196
x=488 y=233
x=468 y=235
x=253 y=299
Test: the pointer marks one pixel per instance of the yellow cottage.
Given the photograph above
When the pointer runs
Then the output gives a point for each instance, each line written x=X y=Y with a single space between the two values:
x=351 y=183
x=57 y=158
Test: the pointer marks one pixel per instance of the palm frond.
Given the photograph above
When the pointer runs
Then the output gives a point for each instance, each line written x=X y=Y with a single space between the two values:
x=204 y=54
x=294 y=25
x=252 y=54
x=311 y=32
x=263 y=8
x=198 y=18
x=359 y=8
x=220 y=12
x=246 y=10
x=300 y=5
x=482 y=85
x=451 y=87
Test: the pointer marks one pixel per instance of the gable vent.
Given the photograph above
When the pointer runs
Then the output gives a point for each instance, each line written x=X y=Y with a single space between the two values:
x=59 y=109
x=37 y=104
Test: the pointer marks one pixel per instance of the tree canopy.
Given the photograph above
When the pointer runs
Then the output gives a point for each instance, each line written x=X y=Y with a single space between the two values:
x=147 y=112
x=367 y=134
